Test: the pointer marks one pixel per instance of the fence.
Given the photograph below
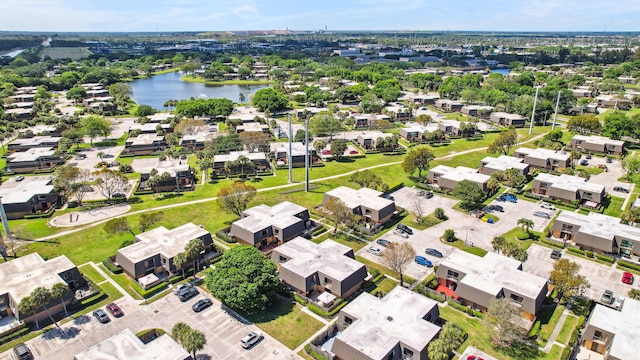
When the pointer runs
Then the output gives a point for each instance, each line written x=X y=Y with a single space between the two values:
x=316 y=343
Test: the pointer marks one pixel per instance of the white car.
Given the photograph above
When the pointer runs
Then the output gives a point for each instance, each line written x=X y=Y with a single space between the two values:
x=546 y=205
x=375 y=251
x=251 y=339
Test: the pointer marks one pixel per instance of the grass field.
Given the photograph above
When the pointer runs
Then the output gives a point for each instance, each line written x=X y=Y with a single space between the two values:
x=73 y=53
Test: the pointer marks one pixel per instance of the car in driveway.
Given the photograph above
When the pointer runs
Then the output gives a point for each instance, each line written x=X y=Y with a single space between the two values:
x=607 y=297
x=201 y=305
x=101 y=316
x=609 y=160
x=251 y=339
x=114 y=309
x=187 y=294
x=22 y=352
x=421 y=260
x=627 y=278
x=620 y=189
x=433 y=252
x=546 y=205
x=542 y=214
x=383 y=242
x=556 y=254
x=405 y=228
x=180 y=287
x=375 y=251
x=428 y=195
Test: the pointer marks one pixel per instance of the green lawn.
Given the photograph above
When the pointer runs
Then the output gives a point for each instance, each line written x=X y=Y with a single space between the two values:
x=425 y=223
x=385 y=286
x=91 y=273
x=124 y=281
x=286 y=322
x=470 y=249
x=549 y=318
x=614 y=208
x=385 y=270
x=512 y=236
x=569 y=325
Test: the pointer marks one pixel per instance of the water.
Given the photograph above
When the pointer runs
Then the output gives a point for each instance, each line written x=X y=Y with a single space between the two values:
x=504 y=71
x=157 y=89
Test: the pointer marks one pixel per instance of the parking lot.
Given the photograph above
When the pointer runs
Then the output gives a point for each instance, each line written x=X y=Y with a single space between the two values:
x=222 y=330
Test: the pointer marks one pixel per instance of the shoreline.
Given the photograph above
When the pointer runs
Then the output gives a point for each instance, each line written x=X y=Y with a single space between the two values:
x=190 y=78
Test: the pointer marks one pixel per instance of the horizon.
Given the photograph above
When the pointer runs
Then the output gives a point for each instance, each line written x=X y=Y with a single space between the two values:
x=162 y=16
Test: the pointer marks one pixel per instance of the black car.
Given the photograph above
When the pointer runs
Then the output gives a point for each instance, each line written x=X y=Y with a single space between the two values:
x=22 y=352
x=495 y=208
x=433 y=252
x=187 y=294
x=383 y=242
x=405 y=228
x=584 y=163
x=201 y=305
x=620 y=189
x=556 y=254
x=609 y=160
x=428 y=195
x=588 y=157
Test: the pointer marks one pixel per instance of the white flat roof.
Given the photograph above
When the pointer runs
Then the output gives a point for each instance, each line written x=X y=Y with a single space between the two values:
x=504 y=162
x=600 y=225
x=363 y=197
x=17 y=192
x=624 y=324
x=460 y=173
x=544 y=154
x=162 y=241
x=601 y=140
x=22 y=275
x=168 y=165
x=494 y=272
x=570 y=183
x=234 y=155
x=35 y=141
x=144 y=139
x=263 y=216
x=380 y=324
x=328 y=257
x=32 y=154
x=126 y=345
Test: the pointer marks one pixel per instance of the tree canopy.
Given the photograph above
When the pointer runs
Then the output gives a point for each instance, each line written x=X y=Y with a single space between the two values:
x=470 y=194
x=417 y=159
x=565 y=276
x=271 y=100
x=235 y=197
x=503 y=143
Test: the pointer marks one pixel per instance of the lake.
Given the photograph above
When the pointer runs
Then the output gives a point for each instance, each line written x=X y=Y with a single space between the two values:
x=157 y=89
x=503 y=71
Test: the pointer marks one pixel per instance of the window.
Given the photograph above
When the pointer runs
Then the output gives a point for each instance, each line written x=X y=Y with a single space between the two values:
x=263 y=232
x=598 y=336
x=367 y=211
x=327 y=280
x=276 y=231
x=516 y=298
x=452 y=273
x=543 y=185
x=407 y=352
x=626 y=243
x=42 y=197
x=348 y=320
x=566 y=227
x=282 y=259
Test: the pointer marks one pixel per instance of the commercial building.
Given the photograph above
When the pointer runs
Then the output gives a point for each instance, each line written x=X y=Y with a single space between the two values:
x=263 y=225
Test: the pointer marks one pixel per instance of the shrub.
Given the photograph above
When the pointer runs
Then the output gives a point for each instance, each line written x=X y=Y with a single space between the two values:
x=551 y=243
x=535 y=330
x=589 y=253
x=299 y=300
x=319 y=230
x=315 y=355
x=575 y=251
x=373 y=271
x=108 y=263
x=332 y=313
x=628 y=265
x=605 y=258
x=440 y=214
x=449 y=235
x=224 y=237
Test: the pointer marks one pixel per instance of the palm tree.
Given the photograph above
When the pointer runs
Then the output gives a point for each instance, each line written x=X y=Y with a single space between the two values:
x=100 y=154
x=498 y=243
x=242 y=98
x=27 y=307
x=193 y=250
x=58 y=291
x=180 y=260
x=526 y=224
x=634 y=294
x=194 y=340
x=520 y=254
x=493 y=184
x=179 y=330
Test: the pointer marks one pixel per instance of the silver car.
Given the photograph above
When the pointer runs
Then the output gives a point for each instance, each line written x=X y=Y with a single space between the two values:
x=542 y=214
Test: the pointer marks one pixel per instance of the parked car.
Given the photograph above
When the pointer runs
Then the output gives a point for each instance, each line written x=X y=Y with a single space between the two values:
x=187 y=294
x=383 y=242
x=114 y=309
x=19 y=178
x=375 y=251
x=401 y=233
x=353 y=152
x=609 y=160
x=119 y=195
x=588 y=157
x=507 y=197
x=473 y=357
x=251 y=339
x=607 y=297
x=428 y=195
x=603 y=167
x=81 y=156
x=22 y=352
x=101 y=316
x=433 y=252
x=584 y=163
x=490 y=208
x=405 y=228
x=627 y=278
x=546 y=205
x=201 y=305
x=180 y=287
x=542 y=214
x=420 y=192
x=620 y=189
x=421 y=260
x=556 y=254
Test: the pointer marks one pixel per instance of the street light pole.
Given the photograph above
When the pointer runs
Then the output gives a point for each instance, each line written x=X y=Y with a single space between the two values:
x=533 y=113
x=306 y=155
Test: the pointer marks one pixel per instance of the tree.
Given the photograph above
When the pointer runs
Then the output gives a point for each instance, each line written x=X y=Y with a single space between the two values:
x=504 y=142
x=28 y=307
x=110 y=182
x=338 y=211
x=417 y=159
x=449 y=235
x=418 y=208
x=58 y=291
x=565 y=276
x=513 y=179
x=244 y=279
x=95 y=126
x=440 y=214
x=634 y=294
x=338 y=147
x=584 y=124
x=193 y=341
x=371 y=104
x=632 y=215
x=498 y=243
x=118 y=225
x=270 y=99
x=180 y=261
x=64 y=178
x=470 y=194
x=520 y=254
x=631 y=165
x=144 y=110
x=100 y=155
x=504 y=317
x=319 y=145
x=324 y=125
x=451 y=337
x=149 y=218
x=366 y=178
x=397 y=255
x=189 y=126
x=617 y=124
x=192 y=250
x=424 y=119
x=235 y=197
x=76 y=93
x=526 y=224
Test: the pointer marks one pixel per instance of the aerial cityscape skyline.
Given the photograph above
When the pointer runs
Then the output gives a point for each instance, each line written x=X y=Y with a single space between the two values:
x=189 y=15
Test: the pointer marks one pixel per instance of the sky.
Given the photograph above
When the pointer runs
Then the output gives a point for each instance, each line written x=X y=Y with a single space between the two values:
x=220 y=15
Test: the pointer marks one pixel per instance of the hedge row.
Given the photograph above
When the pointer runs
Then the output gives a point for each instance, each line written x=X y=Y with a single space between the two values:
x=299 y=300
x=224 y=237
x=628 y=265
x=330 y=314
x=41 y=215
x=605 y=258
x=14 y=335
x=111 y=266
x=465 y=309
x=151 y=291
x=576 y=251
x=551 y=243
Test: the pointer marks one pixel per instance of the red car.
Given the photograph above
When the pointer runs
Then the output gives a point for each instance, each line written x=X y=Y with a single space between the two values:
x=114 y=309
x=472 y=357
x=627 y=278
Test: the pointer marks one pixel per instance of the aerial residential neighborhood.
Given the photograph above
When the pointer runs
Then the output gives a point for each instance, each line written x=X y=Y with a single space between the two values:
x=206 y=193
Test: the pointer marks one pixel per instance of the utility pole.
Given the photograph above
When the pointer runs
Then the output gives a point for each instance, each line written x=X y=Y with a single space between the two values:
x=306 y=155
x=290 y=150
x=533 y=113
x=555 y=116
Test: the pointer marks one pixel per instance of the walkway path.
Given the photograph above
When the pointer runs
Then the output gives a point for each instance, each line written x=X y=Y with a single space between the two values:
x=199 y=201
x=555 y=332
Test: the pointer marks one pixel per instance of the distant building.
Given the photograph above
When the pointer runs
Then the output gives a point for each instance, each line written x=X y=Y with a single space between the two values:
x=366 y=203
x=446 y=177
x=180 y=174
x=597 y=144
x=32 y=160
x=29 y=196
x=481 y=111
x=263 y=225
x=145 y=144
x=544 y=158
x=25 y=144
x=599 y=233
x=477 y=281
x=506 y=119
x=568 y=188
x=258 y=160
x=196 y=142
x=612 y=334
x=448 y=105
x=252 y=127
x=126 y=345
x=398 y=326
x=309 y=267
x=280 y=153
x=612 y=102
x=490 y=164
